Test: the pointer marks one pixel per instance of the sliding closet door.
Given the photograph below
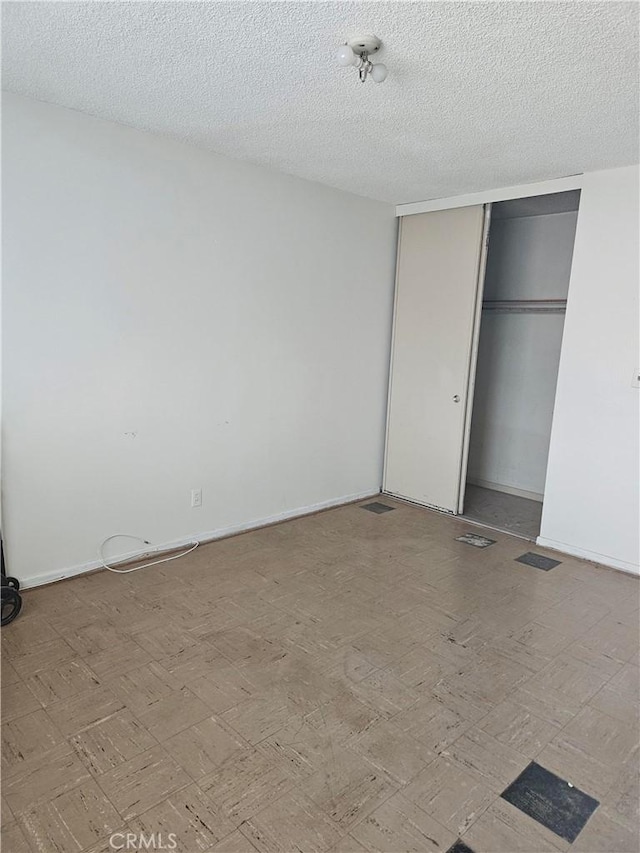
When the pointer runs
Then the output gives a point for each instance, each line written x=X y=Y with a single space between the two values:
x=437 y=298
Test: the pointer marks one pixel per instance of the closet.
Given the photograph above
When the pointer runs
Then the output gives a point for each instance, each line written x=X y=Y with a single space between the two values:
x=481 y=293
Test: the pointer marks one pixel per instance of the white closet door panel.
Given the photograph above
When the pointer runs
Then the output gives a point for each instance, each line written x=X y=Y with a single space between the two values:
x=436 y=299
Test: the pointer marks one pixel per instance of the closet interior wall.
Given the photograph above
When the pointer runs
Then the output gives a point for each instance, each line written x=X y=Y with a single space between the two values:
x=526 y=286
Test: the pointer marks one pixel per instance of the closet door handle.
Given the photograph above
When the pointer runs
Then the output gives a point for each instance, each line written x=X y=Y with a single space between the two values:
x=456 y=398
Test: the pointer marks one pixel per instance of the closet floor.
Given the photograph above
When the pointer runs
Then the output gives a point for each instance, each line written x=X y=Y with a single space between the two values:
x=350 y=681
x=504 y=512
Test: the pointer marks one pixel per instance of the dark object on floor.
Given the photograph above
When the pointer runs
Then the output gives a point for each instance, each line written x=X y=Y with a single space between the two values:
x=378 y=508
x=551 y=801
x=459 y=847
x=538 y=561
x=11 y=598
x=11 y=604
x=475 y=540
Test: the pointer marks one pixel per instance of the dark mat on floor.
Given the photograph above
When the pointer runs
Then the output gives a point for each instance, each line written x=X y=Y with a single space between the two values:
x=377 y=507
x=475 y=540
x=551 y=801
x=538 y=561
x=460 y=847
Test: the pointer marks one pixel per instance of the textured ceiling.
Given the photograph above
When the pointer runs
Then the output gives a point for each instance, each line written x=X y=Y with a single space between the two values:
x=479 y=95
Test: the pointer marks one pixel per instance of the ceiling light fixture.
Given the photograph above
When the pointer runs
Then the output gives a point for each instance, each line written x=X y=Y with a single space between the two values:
x=356 y=52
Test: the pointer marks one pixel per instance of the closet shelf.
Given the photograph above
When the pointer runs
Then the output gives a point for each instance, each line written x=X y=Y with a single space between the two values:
x=531 y=306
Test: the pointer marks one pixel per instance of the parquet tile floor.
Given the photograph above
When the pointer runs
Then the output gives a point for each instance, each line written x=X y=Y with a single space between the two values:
x=346 y=681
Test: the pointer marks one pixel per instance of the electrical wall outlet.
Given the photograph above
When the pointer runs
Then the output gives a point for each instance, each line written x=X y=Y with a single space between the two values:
x=196 y=497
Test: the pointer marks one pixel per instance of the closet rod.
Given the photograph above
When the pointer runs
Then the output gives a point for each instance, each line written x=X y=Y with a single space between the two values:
x=542 y=306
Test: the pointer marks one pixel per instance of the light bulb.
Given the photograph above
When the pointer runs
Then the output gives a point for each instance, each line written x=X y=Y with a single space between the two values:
x=379 y=72
x=346 y=56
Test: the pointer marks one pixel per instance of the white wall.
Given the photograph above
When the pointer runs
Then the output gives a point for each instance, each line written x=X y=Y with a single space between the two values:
x=178 y=320
x=529 y=258
x=591 y=499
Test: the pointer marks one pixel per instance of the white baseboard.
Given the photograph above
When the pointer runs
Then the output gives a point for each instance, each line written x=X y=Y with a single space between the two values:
x=208 y=536
x=508 y=490
x=592 y=556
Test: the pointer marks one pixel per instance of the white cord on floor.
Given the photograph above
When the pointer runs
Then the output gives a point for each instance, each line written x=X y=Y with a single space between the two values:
x=103 y=560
